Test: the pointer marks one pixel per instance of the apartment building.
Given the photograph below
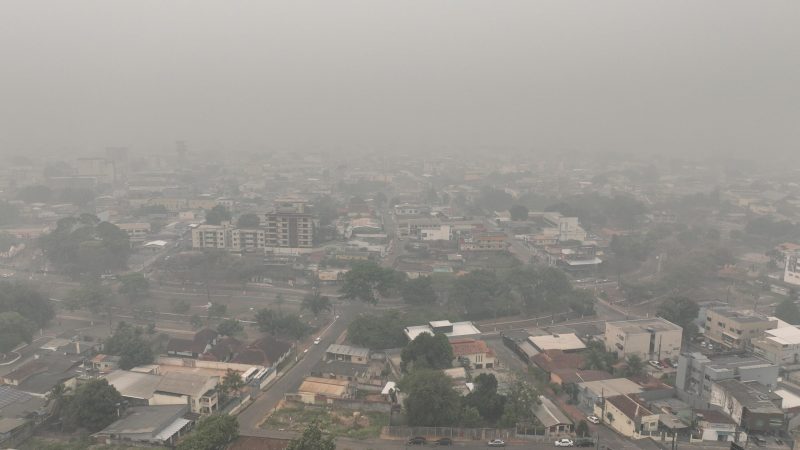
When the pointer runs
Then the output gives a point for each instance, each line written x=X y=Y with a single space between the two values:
x=483 y=242
x=791 y=273
x=733 y=329
x=697 y=373
x=650 y=339
x=288 y=228
x=212 y=236
x=137 y=232
x=780 y=346
x=248 y=239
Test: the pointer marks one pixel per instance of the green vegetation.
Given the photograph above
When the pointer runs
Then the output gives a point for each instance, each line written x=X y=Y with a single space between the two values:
x=334 y=422
x=418 y=291
x=316 y=303
x=485 y=400
x=93 y=406
x=91 y=296
x=427 y=352
x=366 y=279
x=212 y=433
x=84 y=244
x=27 y=301
x=217 y=215
x=278 y=323
x=230 y=327
x=431 y=399
x=14 y=330
x=248 y=221
x=129 y=344
x=134 y=286
x=634 y=366
x=518 y=212
x=787 y=311
x=681 y=311
x=378 y=331
x=597 y=358
x=312 y=439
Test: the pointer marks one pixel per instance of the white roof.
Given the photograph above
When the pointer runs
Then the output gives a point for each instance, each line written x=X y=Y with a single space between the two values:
x=459 y=329
x=567 y=341
x=156 y=244
x=440 y=323
x=612 y=387
x=172 y=428
x=389 y=385
x=787 y=335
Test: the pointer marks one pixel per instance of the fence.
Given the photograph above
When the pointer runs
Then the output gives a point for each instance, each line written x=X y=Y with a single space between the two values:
x=475 y=434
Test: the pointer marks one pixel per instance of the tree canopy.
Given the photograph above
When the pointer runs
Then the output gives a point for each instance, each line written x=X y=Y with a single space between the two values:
x=86 y=245
x=14 y=330
x=681 y=311
x=427 y=351
x=316 y=303
x=377 y=331
x=418 y=291
x=217 y=215
x=230 y=327
x=312 y=439
x=27 y=301
x=365 y=279
x=212 y=433
x=278 y=323
x=129 y=344
x=93 y=406
x=518 y=212
x=248 y=221
x=485 y=399
x=787 y=311
x=431 y=400
x=134 y=286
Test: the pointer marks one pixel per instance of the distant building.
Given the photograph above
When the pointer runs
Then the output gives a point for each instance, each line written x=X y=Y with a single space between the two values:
x=476 y=352
x=211 y=236
x=627 y=414
x=697 y=373
x=408 y=209
x=780 y=346
x=248 y=239
x=750 y=404
x=443 y=233
x=650 y=339
x=173 y=388
x=791 y=273
x=137 y=232
x=733 y=329
x=566 y=342
x=449 y=329
x=337 y=352
x=289 y=229
x=552 y=418
x=483 y=242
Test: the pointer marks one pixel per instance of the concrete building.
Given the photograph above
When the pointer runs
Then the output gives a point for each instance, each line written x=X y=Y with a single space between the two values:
x=248 y=239
x=483 y=242
x=211 y=236
x=476 y=352
x=697 y=373
x=566 y=342
x=137 y=232
x=449 y=329
x=733 y=329
x=552 y=418
x=751 y=405
x=780 y=346
x=627 y=414
x=337 y=352
x=791 y=273
x=288 y=229
x=715 y=426
x=174 y=388
x=650 y=339
x=148 y=425
x=443 y=233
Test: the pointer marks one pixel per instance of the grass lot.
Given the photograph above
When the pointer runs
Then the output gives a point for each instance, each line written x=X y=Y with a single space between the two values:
x=336 y=422
x=37 y=443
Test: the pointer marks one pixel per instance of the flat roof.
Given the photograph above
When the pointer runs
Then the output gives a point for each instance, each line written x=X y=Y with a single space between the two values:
x=612 y=387
x=787 y=335
x=145 y=420
x=348 y=350
x=324 y=386
x=645 y=325
x=459 y=329
x=567 y=341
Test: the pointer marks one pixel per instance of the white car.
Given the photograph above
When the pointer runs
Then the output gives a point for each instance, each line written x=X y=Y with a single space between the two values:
x=317 y=340
x=564 y=442
x=496 y=443
x=655 y=364
x=594 y=419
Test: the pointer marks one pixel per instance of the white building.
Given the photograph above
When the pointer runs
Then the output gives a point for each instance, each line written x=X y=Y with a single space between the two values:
x=211 y=236
x=780 y=346
x=791 y=274
x=649 y=339
x=443 y=233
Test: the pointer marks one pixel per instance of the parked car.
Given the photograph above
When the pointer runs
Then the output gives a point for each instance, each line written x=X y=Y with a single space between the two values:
x=443 y=441
x=564 y=442
x=585 y=442
x=417 y=440
x=593 y=419
x=497 y=443
x=655 y=364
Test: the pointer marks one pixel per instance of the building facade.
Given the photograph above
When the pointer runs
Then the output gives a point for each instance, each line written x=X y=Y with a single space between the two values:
x=697 y=373
x=649 y=339
x=734 y=330
x=289 y=229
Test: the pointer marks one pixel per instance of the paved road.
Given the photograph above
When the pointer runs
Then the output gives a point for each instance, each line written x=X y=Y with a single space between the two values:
x=250 y=418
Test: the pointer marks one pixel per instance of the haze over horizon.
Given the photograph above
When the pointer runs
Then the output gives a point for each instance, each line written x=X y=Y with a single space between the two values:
x=675 y=77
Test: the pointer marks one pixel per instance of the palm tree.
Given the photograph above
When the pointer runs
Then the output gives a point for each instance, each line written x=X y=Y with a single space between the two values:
x=58 y=398
x=316 y=303
x=635 y=366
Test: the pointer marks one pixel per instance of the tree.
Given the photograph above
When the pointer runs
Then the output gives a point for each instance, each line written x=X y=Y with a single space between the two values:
x=518 y=212
x=634 y=366
x=377 y=331
x=427 y=351
x=212 y=433
x=28 y=302
x=470 y=417
x=217 y=310
x=56 y=399
x=231 y=382
x=134 y=286
x=365 y=279
x=522 y=399
x=14 y=330
x=431 y=400
x=248 y=221
x=180 y=306
x=94 y=406
x=479 y=293
x=35 y=193
x=91 y=296
x=230 y=327
x=681 y=311
x=787 y=311
x=418 y=291
x=217 y=215
x=278 y=323
x=485 y=399
x=582 y=429
x=84 y=244
x=316 y=303
x=196 y=321
x=128 y=343
x=312 y=439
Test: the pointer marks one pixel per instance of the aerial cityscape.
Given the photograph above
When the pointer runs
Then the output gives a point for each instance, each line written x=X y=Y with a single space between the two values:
x=454 y=276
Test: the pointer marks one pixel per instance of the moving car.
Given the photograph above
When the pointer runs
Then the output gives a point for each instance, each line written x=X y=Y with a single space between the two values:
x=497 y=443
x=317 y=340
x=564 y=442
x=443 y=441
x=593 y=419
x=417 y=440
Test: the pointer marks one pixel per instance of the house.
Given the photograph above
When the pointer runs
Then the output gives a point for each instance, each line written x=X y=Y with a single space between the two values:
x=567 y=342
x=751 y=405
x=556 y=360
x=733 y=329
x=172 y=388
x=148 y=425
x=649 y=339
x=697 y=373
x=39 y=375
x=337 y=352
x=646 y=388
x=202 y=341
x=483 y=242
x=316 y=391
x=105 y=363
x=780 y=346
x=19 y=413
x=552 y=418
x=266 y=351
x=627 y=414
x=473 y=351
x=714 y=426
x=573 y=376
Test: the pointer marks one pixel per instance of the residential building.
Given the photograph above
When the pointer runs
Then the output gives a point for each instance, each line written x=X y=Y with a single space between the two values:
x=105 y=363
x=650 y=339
x=322 y=391
x=566 y=342
x=148 y=425
x=697 y=372
x=173 y=388
x=248 y=239
x=734 y=329
x=337 y=352
x=627 y=414
x=137 y=232
x=592 y=393
x=780 y=346
x=751 y=405
x=715 y=426
x=201 y=342
x=443 y=233
x=408 y=209
x=449 y=329
x=791 y=272
x=552 y=419
x=483 y=242
x=414 y=227
x=474 y=352
x=212 y=236
x=289 y=229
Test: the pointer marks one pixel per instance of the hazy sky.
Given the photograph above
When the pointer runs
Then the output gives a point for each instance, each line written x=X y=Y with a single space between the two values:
x=655 y=76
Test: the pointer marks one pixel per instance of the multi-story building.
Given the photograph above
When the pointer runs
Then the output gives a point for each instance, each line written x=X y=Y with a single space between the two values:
x=483 y=242
x=750 y=404
x=697 y=372
x=791 y=273
x=733 y=329
x=248 y=239
x=137 y=232
x=780 y=346
x=211 y=236
x=650 y=339
x=288 y=228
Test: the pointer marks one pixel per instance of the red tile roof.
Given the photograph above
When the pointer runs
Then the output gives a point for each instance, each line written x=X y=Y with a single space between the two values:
x=463 y=347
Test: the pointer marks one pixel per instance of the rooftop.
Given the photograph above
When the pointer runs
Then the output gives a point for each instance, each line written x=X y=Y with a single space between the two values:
x=324 y=386
x=752 y=395
x=612 y=387
x=348 y=350
x=463 y=347
x=785 y=336
x=146 y=420
x=15 y=403
x=724 y=362
x=564 y=342
x=459 y=329
x=645 y=325
x=739 y=316
x=631 y=406
x=549 y=414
